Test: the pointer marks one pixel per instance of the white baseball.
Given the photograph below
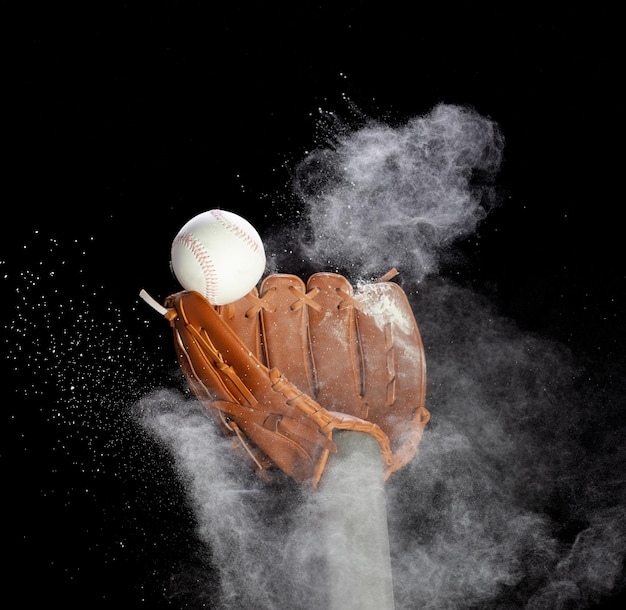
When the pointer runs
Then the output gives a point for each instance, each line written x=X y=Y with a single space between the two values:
x=218 y=254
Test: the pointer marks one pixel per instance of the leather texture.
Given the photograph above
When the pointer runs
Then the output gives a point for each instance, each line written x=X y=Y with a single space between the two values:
x=290 y=362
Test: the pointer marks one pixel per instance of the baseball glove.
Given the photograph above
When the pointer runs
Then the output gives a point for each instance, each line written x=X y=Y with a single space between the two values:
x=284 y=366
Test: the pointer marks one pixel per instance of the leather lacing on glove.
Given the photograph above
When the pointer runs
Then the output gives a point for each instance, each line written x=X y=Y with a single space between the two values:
x=286 y=365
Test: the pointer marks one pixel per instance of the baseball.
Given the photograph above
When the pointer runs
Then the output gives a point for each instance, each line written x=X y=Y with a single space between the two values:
x=218 y=254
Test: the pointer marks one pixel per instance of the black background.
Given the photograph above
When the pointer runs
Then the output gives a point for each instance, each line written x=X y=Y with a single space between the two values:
x=126 y=120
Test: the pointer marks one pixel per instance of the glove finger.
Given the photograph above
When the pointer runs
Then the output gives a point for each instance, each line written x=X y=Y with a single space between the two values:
x=285 y=329
x=334 y=345
x=394 y=366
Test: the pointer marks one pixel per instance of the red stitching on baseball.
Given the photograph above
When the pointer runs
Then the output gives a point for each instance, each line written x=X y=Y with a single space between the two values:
x=206 y=264
x=252 y=243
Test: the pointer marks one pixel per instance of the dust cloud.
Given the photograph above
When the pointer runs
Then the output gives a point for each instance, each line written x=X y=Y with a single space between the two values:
x=516 y=497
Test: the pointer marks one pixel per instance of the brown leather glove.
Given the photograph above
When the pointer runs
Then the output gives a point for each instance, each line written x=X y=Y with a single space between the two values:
x=284 y=366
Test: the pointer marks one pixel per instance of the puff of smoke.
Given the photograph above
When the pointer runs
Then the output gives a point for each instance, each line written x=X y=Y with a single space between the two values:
x=382 y=196
x=507 y=504
x=265 y=547
x=516 y=498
